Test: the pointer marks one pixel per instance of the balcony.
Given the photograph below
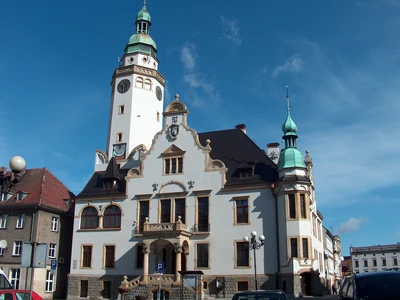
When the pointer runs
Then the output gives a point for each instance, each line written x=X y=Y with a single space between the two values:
x=164 y=229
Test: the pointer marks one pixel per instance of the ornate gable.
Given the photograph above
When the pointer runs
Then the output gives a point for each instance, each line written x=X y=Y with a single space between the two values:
x=173 y=151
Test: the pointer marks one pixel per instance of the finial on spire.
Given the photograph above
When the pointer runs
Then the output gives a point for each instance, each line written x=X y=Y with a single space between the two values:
x=144 y=2
x=287 y=98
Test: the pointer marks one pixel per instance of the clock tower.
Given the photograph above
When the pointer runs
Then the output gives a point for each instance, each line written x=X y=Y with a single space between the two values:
x=137 y=96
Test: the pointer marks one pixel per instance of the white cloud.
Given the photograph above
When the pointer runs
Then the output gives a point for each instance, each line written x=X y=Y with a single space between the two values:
x=188 y=56
x=350 y=225
x=293 y=65
x=231 y=31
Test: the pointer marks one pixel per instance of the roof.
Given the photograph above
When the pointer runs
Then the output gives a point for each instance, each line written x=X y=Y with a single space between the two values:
x=235 y=148
x=42 y=189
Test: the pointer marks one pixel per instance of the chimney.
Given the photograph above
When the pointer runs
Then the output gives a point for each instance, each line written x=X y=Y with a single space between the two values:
x=273 y=152
x=242 y=127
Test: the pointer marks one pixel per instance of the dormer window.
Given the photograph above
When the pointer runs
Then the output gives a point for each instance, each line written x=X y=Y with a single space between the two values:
x=173 y=160
x=21 y=195
x=109 y=184
x=6 y=196
x=246 y=170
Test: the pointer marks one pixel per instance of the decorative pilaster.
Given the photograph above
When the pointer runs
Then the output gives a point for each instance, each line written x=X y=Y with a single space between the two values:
x=146 y=251
x=178 y=266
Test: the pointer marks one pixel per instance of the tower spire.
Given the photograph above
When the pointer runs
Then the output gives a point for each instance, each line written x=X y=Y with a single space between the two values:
x=287 y=99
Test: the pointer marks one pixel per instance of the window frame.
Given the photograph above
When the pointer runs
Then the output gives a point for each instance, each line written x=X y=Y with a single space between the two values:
x=292 y=213
x=165 y=210
x=202 y=214
x=243 y=249
x=17 y=248
x=179 y=165
x=305 y=251
x=86 y=256
x=246 y=211
x=3 y=221
x=20 y=221
x=49 y=286
x=293 y=249
x=109 y=256
x=199 y=248
x=15 y=277
x=112 y=220
x=107 y=288
x=93 y=218
x=55 y=221
x=52 y=250
x=84 y=288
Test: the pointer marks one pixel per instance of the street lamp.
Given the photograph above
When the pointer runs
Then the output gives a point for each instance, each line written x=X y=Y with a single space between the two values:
x=17 y=166
x=254 y=245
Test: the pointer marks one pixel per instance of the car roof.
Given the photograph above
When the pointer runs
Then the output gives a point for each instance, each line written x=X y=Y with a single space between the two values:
x=261 y=292
x=377 y=274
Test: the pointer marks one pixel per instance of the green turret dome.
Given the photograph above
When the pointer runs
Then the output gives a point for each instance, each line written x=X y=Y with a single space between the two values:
x=289 y=127
x=291 y=158
x=143 y=14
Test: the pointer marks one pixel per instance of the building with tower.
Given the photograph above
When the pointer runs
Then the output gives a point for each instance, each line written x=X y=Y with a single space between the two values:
x=166 y=198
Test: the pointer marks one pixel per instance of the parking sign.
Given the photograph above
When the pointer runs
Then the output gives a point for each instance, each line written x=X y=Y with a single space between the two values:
x=160 y=267
x=53 y=264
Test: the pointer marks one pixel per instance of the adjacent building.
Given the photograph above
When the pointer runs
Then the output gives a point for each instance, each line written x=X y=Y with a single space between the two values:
x=35 y=208
x=375 y=258
x=166 y=198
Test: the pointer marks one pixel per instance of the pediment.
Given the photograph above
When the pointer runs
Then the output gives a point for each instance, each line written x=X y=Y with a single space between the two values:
x=173 y=151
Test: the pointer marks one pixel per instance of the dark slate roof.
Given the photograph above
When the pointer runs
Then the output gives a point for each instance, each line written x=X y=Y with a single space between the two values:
x=235 y=148
x=112 y=170
x=43 y=189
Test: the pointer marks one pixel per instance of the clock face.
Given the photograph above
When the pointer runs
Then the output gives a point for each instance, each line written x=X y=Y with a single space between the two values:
x=159 y=93
x=119 y=149
x=123 y=86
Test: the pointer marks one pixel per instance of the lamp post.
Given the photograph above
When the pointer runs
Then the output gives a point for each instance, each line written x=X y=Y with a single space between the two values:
x=17 y=166
x=254 y=245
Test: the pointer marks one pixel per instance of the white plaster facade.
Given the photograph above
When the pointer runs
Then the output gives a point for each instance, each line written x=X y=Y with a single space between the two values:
x=375 y=258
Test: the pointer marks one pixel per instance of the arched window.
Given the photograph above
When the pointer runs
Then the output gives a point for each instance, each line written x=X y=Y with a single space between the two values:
x=139 y=82
x=147 y=84
x=112 y=217
x=90 y=218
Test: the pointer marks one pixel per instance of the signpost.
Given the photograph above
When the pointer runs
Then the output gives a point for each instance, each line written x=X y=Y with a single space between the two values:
x=53 y=266
x=160 y=271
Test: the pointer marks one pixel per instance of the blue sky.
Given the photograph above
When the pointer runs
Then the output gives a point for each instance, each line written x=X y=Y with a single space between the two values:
x=230 y=61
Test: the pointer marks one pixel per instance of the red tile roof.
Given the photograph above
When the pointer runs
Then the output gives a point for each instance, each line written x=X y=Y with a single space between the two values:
x=42 y=188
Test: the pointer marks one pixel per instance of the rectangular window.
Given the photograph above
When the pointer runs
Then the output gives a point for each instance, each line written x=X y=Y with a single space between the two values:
x=121 y=110
x=293 y=247
x=365 y=263
x=109 y=256
x=119 y=137
x=49 y=281
x=3 y=221
x=180 y=210
x=202 y=214
x=242 y=211
x=20 y=221
x=52 y=250
x=87 y=256
x=242 y=285
x=384 y=262
x=1 y=251
x=395 y=261
x=84 y=288
x=107 y=289
x=14 y=278
x=303 y=206
x=173 y=165
x=139 y=256
x=202 y=255
x=17 y=248
x=242 y=252
x=144 y=210
x=374 y=262
x=165 y=211
x=54 y=224
x=292 y=207
x=305 y=247
x=356 y=264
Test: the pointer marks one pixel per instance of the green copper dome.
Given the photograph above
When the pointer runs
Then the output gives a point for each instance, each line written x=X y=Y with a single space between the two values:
x=143 y=14
x=291 y=158
x=138 y=39
x=289 y=127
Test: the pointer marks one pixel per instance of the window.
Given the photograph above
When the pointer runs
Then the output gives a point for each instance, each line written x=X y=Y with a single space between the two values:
x=20 y=221
x=112 y=217
x=292 y=207
x=202 y=255
x=54 y=224
x=84 y=288
x=374 y=262
x=242 y=254
x=109 y=256
x=356 y=264
x=139 y=256
x=49 y=281
x=139 y=82
x=303 y=206
x=3 y=221
x=305 y=247
x=384 y=262
x=242 y=211
x=52 y=250
x=173 y=165
x=144 y=208
x=365 y=263
x=14 y=278
x=147 y=84
x=119 y=137
x=180 y=210
x=202 y=214
x=107 y=289
x=158 y=116
x=165 y=211
x=1 y=253
x=395 y=261
x=17 y=248
x=90 y=218
x=293 y=247
x=87 y=256
x=121 y=109
x=242 y=285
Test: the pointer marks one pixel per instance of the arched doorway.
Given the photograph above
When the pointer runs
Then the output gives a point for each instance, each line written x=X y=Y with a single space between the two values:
x=305 y=282
x=162 y=251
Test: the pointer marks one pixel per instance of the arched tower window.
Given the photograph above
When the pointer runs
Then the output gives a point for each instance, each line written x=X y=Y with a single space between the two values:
x=139 y=82
x=148 y=84
x=112 y=217
x=90 y=218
